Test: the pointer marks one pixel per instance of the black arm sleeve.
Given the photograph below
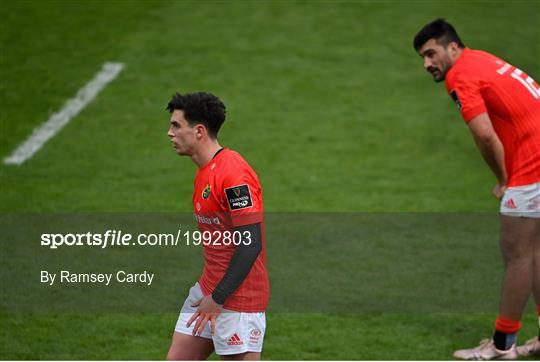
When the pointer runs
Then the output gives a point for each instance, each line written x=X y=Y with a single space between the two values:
x=241 y=262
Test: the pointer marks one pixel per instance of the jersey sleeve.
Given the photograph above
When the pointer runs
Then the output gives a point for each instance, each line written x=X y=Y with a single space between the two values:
x=465 y=91
x=242 y=196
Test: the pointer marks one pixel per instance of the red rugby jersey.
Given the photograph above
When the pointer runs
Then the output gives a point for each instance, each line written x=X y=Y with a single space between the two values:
x=228 y=194
x=480 y=82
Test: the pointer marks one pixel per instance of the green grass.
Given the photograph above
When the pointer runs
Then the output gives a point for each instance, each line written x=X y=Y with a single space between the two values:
x=289 y=336
x=330 y=104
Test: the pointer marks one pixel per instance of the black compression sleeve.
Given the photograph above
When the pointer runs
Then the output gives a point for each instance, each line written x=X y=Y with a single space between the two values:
x=241 y=262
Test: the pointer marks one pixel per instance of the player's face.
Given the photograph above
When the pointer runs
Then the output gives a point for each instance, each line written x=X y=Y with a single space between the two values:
x=182 y=134
x=437 y=59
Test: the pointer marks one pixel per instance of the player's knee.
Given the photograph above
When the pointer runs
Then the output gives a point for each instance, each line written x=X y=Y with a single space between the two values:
x=516 y=251
x=518 y=257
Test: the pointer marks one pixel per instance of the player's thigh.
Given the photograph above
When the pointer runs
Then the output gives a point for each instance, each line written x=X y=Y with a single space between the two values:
x=518 y=236
x=184 y=345
x=248 y=356
x=188 y=347
x=536 y=239
x=520 y=221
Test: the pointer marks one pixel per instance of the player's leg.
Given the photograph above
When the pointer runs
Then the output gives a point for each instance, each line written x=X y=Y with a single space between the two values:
x=517 y=247
x=532 y=346
x=248 y=356
x=516 y=244
x=184 y=345
x=187 y=347
x=536 y=274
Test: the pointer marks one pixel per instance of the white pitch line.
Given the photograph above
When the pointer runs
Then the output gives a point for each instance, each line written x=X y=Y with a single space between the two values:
x=58 y=120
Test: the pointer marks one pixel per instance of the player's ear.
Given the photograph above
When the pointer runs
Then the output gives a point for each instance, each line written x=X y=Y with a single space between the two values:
x=453 y=47
x=200 y=130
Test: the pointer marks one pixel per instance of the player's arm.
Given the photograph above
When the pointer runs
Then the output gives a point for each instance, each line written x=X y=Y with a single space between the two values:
x=491 y=148
x=242 y=260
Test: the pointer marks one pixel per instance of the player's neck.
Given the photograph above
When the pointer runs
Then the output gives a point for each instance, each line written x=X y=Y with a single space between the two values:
x=454 y=57
x=206 y=153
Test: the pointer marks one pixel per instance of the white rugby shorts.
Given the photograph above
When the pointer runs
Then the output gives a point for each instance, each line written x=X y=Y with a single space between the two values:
x=522 y=201
x=235 y=332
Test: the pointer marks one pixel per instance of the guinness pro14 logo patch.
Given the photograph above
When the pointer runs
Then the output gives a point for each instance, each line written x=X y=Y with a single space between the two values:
x=238 y=197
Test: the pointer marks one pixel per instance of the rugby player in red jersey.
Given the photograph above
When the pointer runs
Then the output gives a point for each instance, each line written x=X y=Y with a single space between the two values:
x=225 y=310
x=501 y=106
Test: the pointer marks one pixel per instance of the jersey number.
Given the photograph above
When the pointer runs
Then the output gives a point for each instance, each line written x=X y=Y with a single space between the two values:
x=528 y=82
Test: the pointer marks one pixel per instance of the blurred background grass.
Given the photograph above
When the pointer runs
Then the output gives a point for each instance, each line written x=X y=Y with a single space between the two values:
x=327 y=100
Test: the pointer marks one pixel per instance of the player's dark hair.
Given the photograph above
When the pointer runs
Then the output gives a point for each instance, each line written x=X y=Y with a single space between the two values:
x=441 y=31
x=200 y=108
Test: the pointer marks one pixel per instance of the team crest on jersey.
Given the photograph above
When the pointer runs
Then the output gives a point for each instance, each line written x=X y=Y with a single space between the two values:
x=455 y=97
x=206 y=192
x=239 y=197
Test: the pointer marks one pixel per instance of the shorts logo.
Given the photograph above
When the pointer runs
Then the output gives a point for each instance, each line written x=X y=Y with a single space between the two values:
x=254 y=336
x=455 y=97
x=535 y=204
x=235 y=341
x=510 y=204
x=206 y=192
x=238 y=197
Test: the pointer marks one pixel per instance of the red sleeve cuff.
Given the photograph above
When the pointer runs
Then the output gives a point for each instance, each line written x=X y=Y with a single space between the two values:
x=241 y=219
x=472 y=112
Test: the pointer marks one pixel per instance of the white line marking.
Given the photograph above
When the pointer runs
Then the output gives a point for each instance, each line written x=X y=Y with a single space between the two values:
x=58 y=120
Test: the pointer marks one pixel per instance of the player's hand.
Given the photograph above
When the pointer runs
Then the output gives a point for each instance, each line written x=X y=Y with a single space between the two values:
x=499 y=190
x=208 y=311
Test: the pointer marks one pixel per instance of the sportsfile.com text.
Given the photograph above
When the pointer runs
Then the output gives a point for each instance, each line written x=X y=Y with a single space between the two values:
x=120 y=238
